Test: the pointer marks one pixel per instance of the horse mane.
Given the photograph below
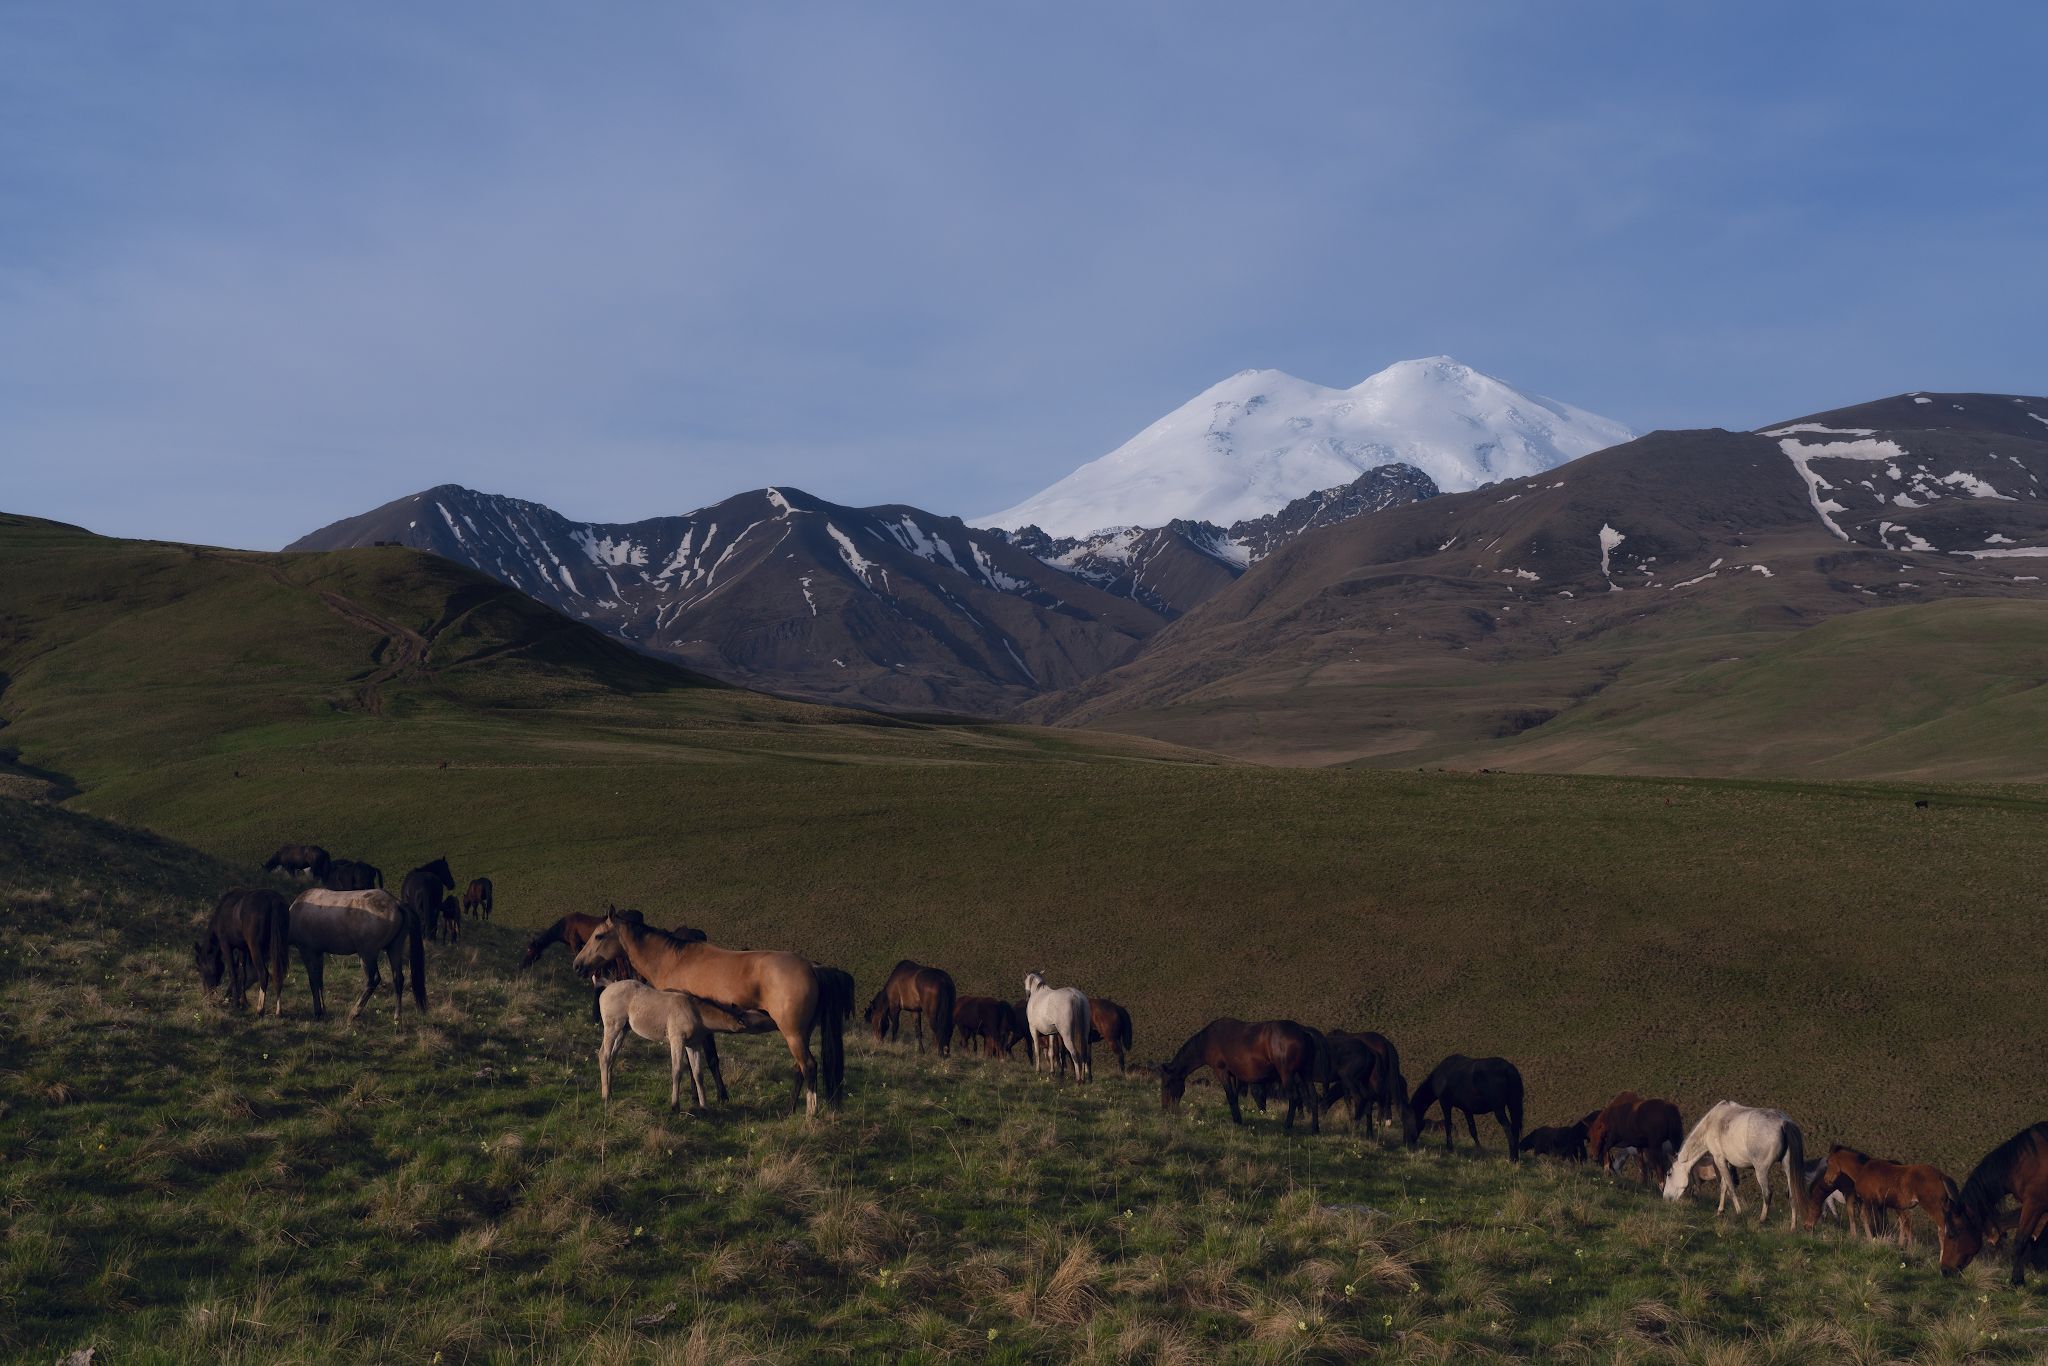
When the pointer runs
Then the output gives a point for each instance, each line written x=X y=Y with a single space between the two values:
x=553 y=934
x=1990 y=1181
x=656 y=932
x=1190 y=1055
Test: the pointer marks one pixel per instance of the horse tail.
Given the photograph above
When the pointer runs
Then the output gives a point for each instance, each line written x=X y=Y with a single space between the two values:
x=1123 y=1031
x=278 y=949
x=1795 y=1172
x=835 y=1004
x=942 y=1014
x=418 y=950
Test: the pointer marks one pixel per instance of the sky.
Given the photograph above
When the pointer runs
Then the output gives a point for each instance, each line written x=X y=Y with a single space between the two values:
x=263 y=267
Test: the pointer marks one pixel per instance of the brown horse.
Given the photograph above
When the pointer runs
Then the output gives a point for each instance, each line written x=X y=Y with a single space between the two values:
x=1871 y=1184
x=1654 y=1128
x=1110 y=1023
x=248 y=940
x=294 y=859
x=1478 y=1086
x=1565 y=1142
x=1272 y=1052
x=1365 y=1069
x=987 y=1025
x=2018 y=1168
x=787 y=988
x=476 y=898
x=923 y=991
x=422 y=892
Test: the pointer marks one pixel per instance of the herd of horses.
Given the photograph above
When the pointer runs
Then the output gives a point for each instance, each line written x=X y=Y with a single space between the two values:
x=677 y=987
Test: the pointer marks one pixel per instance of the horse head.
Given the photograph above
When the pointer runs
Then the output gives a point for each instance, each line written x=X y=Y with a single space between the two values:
x=206 y=956
x=878 y=1013
x=1676 y=1180
x=601 y=948
x=1034 y=982
x=1173 y=1084
x=1962 y=1237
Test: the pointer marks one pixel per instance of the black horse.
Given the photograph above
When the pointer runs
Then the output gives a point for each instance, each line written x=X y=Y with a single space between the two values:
x=1477 y=1086
x=347 y=875
x=422 y=892
x=298 y=858
x=1365 y=1069
x=1565 y=1142
x=246 y=942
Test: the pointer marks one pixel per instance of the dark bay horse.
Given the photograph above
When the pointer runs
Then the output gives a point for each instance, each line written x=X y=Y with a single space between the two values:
x=797 y=995
x=1365 y=1069
x=573 y=931
x=2018 y=1168
x=1280 y=1053
x=476 y=898
x=424 y=889
x=1565 y=1142
x=365 y=924
x=248 y=940
x=1477 y=1086
x=347 y=875
x=1653 y=1127
x=987 y=1025
x=923 y=991
x=1110 y=1023
x=298 y=858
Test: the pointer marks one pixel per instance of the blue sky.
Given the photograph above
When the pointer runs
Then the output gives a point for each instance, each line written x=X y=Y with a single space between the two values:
x=266 y=266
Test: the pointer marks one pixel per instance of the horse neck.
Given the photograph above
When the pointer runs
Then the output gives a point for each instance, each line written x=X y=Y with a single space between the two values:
x=557 y=933
x=1193 y=1054
x=642 y=954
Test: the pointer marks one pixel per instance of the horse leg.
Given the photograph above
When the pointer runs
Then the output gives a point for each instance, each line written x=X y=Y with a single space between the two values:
x=675 y=1068
x=2024 y=1234
x=607 y=1046
x=316 y=964
x=806 y=1069
x=1230 y=1094
x=696 y=1057
x=920 y=1029
x=1472 y=1124
x=369 y=985
x=710 y=1050
x=394 y=951
x=1447 y=1125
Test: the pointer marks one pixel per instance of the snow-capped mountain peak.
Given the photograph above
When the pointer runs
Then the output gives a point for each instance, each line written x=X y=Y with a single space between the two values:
x=1253 y=442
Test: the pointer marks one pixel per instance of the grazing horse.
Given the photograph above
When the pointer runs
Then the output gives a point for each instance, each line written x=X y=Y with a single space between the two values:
x=573 y=931
x=365 y=924
x=248 y=938
x=1057 y=1013
x=347 y=875
x=1110 y=1023
x=987 y=1025
x=922 y=991
x=1735 y=1136
x=2017 y=1167
x=298 y=858
x=422 y=892
x=1477 y=1086
x=1871 y=1184
x=1565 y=1142
x=476 y=897
x=1654 y=1128
x=796 y=995
x=1366 y=1070
x=1273 y=1052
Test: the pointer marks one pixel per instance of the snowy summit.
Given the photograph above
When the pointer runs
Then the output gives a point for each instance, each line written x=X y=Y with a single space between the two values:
x=1249 y=445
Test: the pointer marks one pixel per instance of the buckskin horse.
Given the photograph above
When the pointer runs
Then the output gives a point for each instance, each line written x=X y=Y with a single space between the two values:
x=2018 y=1168
x=1278 y=1053
x=1654 y=1128
x=247 y=940
x=922 y=991
x=422 y=892
x=365 y=924
x=1736 y=1136
x=791 y=991
x=1477 y=1086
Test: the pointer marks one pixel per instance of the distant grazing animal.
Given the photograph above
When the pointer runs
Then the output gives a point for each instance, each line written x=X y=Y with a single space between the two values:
x=1365 y=1069
x=1278 y=1053
x=796 y=995
x=248 y=941
x=1110 y=1023
x=986 y=1025
x=422 y=891
x=1735 y=1136
x=673 y=1016
x=1478 y=1086
x=1565 y=1142
x=1871 y=1184
x=1654 y=1128
x=2018 y=1168
x=310 y=859
x=572 y=931
x=1057 y=1013
x=365 y=924
x=347 y=875
x=922 y=991
x=476 y=898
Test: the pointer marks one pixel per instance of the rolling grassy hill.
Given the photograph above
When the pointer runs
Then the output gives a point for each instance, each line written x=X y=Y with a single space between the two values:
x=182 y=1184
x=1833 y=949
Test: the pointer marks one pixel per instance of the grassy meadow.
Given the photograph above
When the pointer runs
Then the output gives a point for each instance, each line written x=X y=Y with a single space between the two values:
x=183 y=1184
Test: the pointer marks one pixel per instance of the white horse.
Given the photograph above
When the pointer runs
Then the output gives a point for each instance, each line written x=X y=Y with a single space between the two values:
x=1062 y=1013
x=366 y=924
x=1735 y=1136
x=654 y=1015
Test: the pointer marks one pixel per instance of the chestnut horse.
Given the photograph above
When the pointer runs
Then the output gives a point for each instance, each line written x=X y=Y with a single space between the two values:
x=1477 y=1086
x=1871 y=1184
x=785 y=987
x=2018 y=1168
x=248 y=940
x=922 y=991
x=1110 y=1023
x=1654 y=1128
x=1276 y=1052
x=987 y=1025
